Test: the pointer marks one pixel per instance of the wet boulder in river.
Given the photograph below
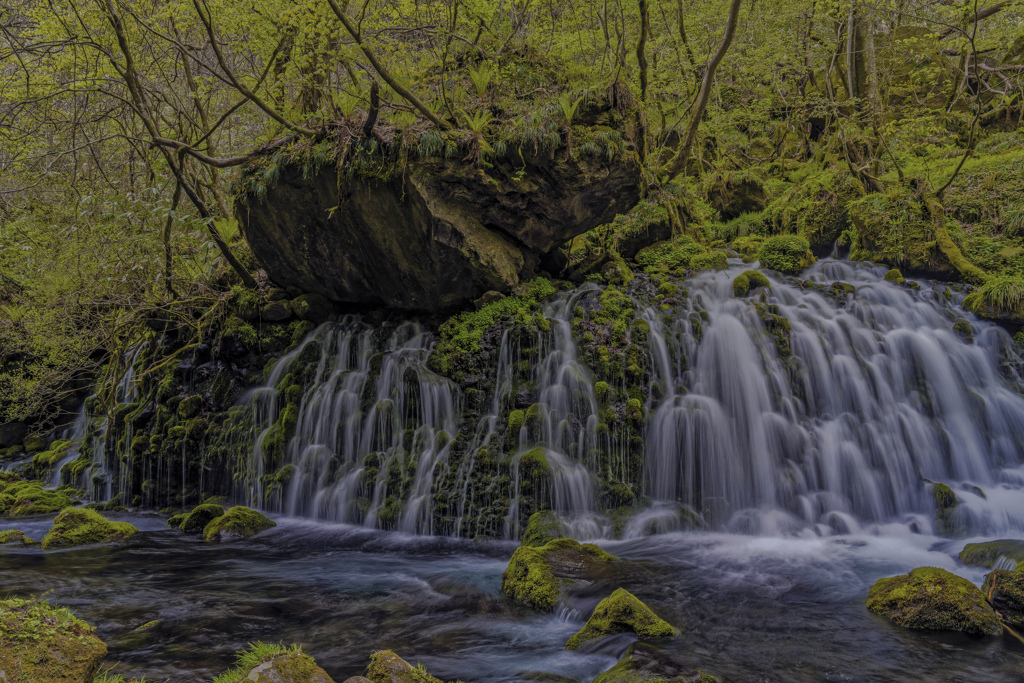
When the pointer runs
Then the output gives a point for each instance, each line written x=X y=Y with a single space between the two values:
x=932 y=599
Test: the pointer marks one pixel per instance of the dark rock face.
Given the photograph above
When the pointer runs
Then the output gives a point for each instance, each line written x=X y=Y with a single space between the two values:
x=439 y=234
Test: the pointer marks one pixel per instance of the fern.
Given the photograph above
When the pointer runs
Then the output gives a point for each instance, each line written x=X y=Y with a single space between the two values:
x=568 y=107
x=481 y=78
x=477 y=123
x=1005 y=293
x=1014 y=218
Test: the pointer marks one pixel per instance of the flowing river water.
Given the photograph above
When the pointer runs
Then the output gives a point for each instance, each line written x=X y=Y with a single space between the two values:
x=811 y=473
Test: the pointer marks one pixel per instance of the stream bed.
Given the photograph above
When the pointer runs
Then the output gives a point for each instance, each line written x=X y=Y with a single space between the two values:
x=749 y=608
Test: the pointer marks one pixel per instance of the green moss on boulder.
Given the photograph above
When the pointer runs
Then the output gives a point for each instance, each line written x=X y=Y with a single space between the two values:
x=747 y=280
x=933 y=599
x=895 y=276
x=195 y=522
x=79 y=526
x=536 y=575
x=710 y=260
x=643 y=663
x=22 y=498
x=387 y=667
x=515 y=422
x=669 y=255
x=14 y=536
x=238 y=522
x=534 y=463
x=987 y=554
x=542 y=528
x=786 y=253
x=946 y=504
x=44 y=644
x=175 y=520
x=1004 y=590
x=620 y=612
x=273 y=663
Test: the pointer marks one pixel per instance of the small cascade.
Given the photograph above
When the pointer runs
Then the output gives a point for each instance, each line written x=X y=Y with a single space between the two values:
x=75 y=435
x=559 y=431
x=826 y=408
x=372 y=427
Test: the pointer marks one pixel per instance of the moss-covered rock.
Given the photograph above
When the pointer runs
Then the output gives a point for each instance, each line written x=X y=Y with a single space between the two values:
x=646 y=663
x=709 y=260
x=195 y=522
x=946 y=509
x=669 y=255
x=14 y=536
x=515 y=422
x=786 y=254
x=987 y=554
x=387 y=667
x=22 y=498
x=238 y=522
x=542 y=528
x=1004 y=590
x=44 y=644
x=929 y=598
x=895 y=276
x=175 y=521
x=34 y=444
x=536 y=575
x=747 y=280
x=620 y=612
x=78 y=526
x=273 y=663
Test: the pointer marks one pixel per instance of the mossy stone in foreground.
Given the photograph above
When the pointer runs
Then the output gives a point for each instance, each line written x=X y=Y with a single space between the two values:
x=273 y=663
x=987 y=554
x=645 y=663
x=78 y=526
x=387 y=667
x=536 y=575
x=43 y=644
x=1004 y=590
x=620 y=612
x=240 y=522
x=933 y=599
x=195 y=522
x=14 y=536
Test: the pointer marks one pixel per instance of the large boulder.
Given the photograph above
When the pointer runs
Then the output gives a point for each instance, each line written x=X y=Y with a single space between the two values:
x=537 y=575
x=238 y=522
x=620 y=612
x=387 y=667
x=991 y=552
x=23 y=498
x=45 y=644
x=434 y=233
x=646 y=663
x=195 y=522
x=933 y=599
x=1005 y=592
x=274 y=663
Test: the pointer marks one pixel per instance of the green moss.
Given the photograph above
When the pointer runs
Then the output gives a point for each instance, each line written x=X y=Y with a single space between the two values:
x=639 y=664
x=531 y=576
x=22 y=498
x=44 y=644
x=635 y=410
x=14 y=536
x=946 y=504
x=387 y=667
x=195 y=522
x=460 y=336
x=601 y=392
x=190 y=407
x=175 y=521
x=238 y=521
x=747 y=247
x=786 y=254
x=542 y=528
x=78 y=526
x=748 y=279
x=929 y=598
x=1005 y=592
x=276 y=663
x=987 y=554
x=620 y=612
x=895 y=276
x=515 y=422
x=34 y=444
x=669 y=255
x=710 y=260
x=963 y=330
x=534 y=463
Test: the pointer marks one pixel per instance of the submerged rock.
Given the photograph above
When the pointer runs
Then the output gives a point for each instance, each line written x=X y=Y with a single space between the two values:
x=14 y=536
x=387 y=667
x=433 y=234
x=988 y=553
x=536 y=575
x=929 y=598
x=644 y=663
x=44 y=644
x=1004 y=590
x=238 y=522
x=620 y=612
x=79 y=526
x=195 y=522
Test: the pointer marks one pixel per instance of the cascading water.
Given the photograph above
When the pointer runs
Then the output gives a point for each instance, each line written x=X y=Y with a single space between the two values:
x=877 y=399
x=372 y=421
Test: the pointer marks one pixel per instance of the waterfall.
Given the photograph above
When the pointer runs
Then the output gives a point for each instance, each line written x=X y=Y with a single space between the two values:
x=875 y=399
